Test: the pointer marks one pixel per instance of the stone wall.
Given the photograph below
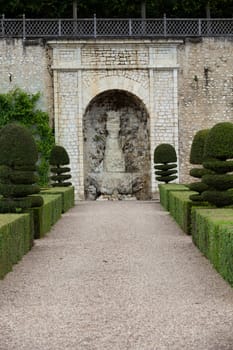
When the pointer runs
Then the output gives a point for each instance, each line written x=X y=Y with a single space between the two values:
x=27 y=65
x=205 y=90
x=184 y=86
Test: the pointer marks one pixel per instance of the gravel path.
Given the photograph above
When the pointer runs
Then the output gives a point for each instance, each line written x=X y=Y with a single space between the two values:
x=115 y=276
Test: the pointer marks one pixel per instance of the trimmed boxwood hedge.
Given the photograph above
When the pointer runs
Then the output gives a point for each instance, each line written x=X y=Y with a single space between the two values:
x=67 y=194
x=164 y=192
x=15 y=240
x=17 y=231
x=180 y=207
x=46 y=216
x=212 y=233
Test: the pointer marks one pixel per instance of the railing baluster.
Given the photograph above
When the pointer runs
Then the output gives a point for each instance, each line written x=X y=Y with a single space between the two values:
x=164 y=25
x=130 y=27
x=59 y=27
x=199 y=27
x=24 y=28
x=3 y=26
x=94 y=25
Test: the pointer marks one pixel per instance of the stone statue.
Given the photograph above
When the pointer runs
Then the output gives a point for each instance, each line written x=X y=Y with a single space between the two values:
x=113 y=158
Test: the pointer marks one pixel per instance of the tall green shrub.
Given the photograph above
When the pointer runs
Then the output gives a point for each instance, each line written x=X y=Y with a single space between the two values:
x=196 y=157
x=218 y=155
x=18 y=157
x=165 y=163
x=21 y=107
x=58 y=158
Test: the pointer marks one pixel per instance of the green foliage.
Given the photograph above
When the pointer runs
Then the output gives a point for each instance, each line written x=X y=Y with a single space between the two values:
x=180 y=207
x=219 y=166
x=166 y=179
x=196 y=157
x=198 y=187
x=164 y=153
x=15 y=240
x=20 y=107
x=164 y=192
x=165 y=166
x=212 y=233
x=18 y=151
x=219 y=142
x=17 y=146
x=220 y=182
x=46 y=216
x=165 y=172
x=199 y=172
x=59 y=157
x=60 y=170
x=196 y=198
x=67 y=194
x=197 y=148
x=218 y=198
x=218 y=149
x=116 y=8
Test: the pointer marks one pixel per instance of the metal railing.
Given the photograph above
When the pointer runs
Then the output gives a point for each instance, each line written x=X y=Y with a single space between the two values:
x=115 y=28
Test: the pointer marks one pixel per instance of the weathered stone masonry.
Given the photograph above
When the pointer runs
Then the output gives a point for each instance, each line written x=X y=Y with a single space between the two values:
x=184 y=86
x=83 y=70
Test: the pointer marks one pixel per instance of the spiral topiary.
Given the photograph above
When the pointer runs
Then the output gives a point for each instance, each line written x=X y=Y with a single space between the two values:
x=218 y=149
x=196 y=157
x=58 y=158
x=18 y=159
x=164 y=158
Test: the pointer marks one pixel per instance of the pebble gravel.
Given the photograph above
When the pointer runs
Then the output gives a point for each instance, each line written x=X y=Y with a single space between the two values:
x=115 y=276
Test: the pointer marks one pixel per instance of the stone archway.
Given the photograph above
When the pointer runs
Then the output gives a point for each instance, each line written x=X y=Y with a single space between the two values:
x=84 y=70
x=116 y=147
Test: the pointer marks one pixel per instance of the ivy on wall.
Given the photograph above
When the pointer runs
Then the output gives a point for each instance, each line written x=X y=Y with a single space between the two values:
x=21 y=107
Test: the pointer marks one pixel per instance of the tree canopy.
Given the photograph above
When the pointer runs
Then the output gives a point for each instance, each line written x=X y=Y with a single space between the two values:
x=116 y=8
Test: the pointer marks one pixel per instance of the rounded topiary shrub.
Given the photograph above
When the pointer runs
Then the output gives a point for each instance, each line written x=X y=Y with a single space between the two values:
x=219 y=142
x=218 y=149
x=196 y=158
x=18 y=159
x=165 y=163
x=58 y=158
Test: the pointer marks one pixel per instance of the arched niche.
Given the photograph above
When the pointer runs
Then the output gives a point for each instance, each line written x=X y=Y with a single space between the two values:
x=116 y=147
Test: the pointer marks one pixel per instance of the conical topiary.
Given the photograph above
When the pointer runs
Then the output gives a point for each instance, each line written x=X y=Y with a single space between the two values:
x=58 y=158
x=165 y=162
x=218 y=155
x=18 y=159
x=196 y=157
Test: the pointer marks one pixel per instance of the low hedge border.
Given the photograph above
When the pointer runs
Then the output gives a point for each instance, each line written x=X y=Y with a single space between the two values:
x=164 y=192
x=180 y=208
x=15 y=240
x=17 y=231
x=67 y=194
x=46 y=216
x=212 y=233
